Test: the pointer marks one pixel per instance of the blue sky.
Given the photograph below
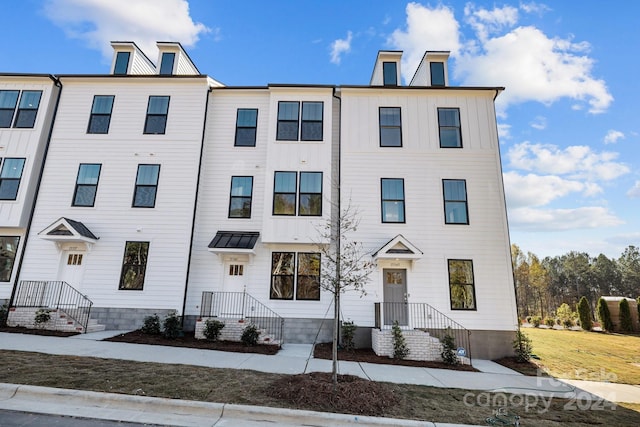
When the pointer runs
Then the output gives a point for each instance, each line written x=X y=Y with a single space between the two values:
x=569 y=132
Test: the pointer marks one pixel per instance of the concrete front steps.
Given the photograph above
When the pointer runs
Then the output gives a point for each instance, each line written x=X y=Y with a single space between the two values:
x=59 y=320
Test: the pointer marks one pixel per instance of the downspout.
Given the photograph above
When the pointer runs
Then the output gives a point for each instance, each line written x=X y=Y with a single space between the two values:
x=337 y=290
x=195 y=205
x=57 y=83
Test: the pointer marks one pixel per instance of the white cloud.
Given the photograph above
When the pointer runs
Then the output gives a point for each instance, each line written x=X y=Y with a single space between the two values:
x=533 y=7
x=540 y=190
x=486 y=22
x=99 y=22
x=504 y=131
x=562 y=219
x=613 y=136
x=339 y=47
x=540 y=123
x=576 y=161
x=634 y=192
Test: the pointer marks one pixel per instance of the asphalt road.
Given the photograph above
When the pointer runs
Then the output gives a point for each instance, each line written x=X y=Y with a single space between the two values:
x=28 y=419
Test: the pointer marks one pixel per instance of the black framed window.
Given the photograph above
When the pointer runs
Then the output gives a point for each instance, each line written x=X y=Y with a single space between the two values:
x=100 y=114
x=449 y=126
x=295 y=276
x=308 y=277
x=240 y=197
x=310 y=202
x=8 y=102
x=390 y=73
x=461 y=284
x=146 y=186
x=246 y=127
x=284 y=193
x=10 y=176
x=455 y=201
x=437 y=73
x=390 y=127
x=166 y=63
x=134 y=266
x=288 y=115
x=86 y=184
x=282 y=275
x=392 y=199
x=8 y=251
x=122 y=63
x=157 y=110
x=311 y=127
x=27 y=109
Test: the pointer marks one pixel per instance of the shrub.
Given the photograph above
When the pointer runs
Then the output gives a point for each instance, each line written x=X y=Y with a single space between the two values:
x=250 y=335
x=171 y=326
x=549 y=321
x=151 y=325
x=448 y=354
x=564 y=311
x=43 y=315
x=535 y=321
x=528 y=319
x=584 y=311
x=400 y=349
x=626 y=324
x=212 y=329
x=522 y=346
x=558 y=321
x=348 y=331
x=567 y=323
x=4 y=314
x=604 y=316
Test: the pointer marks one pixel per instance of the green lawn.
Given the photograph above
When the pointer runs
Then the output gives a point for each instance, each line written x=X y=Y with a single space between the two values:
x=587 y=355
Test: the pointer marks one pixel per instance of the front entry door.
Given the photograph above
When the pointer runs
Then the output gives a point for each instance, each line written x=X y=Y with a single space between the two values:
x=234 y=278
x=72 y=267
x=395 y=296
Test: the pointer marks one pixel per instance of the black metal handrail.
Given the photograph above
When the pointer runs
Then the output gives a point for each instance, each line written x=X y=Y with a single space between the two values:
x=423 y=317
x=243 y=305
x=56 y=295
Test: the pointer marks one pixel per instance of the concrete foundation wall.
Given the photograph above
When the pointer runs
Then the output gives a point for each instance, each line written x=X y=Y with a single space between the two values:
x=124 y=318
x=304 y=331
x=492 y=345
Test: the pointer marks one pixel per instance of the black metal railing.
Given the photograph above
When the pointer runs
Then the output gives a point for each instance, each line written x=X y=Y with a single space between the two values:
x=243 y=305
x=423 y=317
x=56 y=295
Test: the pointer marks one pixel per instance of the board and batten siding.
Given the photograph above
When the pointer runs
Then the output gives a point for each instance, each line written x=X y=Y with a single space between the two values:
x=167 y=226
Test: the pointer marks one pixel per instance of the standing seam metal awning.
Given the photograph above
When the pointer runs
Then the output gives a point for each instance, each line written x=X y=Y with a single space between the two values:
x=234 y=242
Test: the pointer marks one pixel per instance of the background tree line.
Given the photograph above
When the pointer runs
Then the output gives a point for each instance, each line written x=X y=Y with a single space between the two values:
x=543 y=285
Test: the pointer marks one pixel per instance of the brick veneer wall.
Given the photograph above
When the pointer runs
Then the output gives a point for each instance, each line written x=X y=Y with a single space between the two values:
x=422 y=346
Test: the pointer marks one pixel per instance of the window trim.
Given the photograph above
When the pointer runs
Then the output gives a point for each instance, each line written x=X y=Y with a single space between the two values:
x=382 y=200
x=295 y=276
x=13 y=261
x=433 y=72
x=119 y=61
x=297 y=121
x=74 y=202
x=381 y=126
x=466 y=201
x=321 y=121
x=19 y=109
x=232 y=197
x=135 y=191
x=295 y=194
x=163 y=65
x=155 y=115
x=19 y=179
x=254 y=127
x=12 y=109
x=121 y=284
x=385 y=73
x=473 y=285
x=300 y=193
x=292 y=275
x=93 y=115
x=298 y=275
x=441 y=127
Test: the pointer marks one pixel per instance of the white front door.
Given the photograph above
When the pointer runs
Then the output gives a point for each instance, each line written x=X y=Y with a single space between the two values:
x=235 y=277
x=72 y=268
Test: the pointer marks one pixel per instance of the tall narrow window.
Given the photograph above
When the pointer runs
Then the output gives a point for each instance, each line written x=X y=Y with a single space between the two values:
x=310 y=203
x=166 y=64
x=146 y=186
x=282 y=275
x=455 y=201
x=100 y=114
x=437 y=73
x=449 y=124
x=288 y=116
x=461 y=286
x=392 y=200
x=27 y=109
x=134 y=266
x=246 y=126
x=311 y=127
x=86 y=184
x=240 y=199
x=8 y=251
x=308 y=277
x=8 y=102
x=390 y=127
x=10 y=177
x=284 y=193
x=122 y=63
x=390 y=73
x=157 y=111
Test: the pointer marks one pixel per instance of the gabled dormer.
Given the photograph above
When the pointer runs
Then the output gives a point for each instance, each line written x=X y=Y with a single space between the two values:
x=433 y=70
x=173 y=60
x=386 y=72
x=128 y=59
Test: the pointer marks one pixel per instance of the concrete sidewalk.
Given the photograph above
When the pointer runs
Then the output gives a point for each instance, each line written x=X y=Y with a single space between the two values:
x=295 y=359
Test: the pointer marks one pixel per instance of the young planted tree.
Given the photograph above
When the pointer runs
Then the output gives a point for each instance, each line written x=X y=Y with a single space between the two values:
x=626 y=324
x=604 y=316
x=584 y=311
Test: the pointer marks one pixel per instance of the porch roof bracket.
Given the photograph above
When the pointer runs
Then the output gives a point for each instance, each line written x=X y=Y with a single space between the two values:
x=398 y=248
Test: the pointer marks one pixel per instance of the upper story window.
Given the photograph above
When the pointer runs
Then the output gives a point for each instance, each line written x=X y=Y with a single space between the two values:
x=392 y=190
x=310 y=202
x=86 y=184
x=146 y=186
x=134 y=266
x=285 y=193
x=287 y=280
x=166 y=64
x=311 y=128
x=240 y=198
x=27 y=109
x=437 y=73
x=8 y=102
x=289 y=121
x=246 y=127
x=461 y=284
x=390 y=127
x=157 y=111
x=8 y=251
x=122 y=63
x=390 y=73
x=449 y=125
x=100 y=114
x=455 y=201
x=10 y=176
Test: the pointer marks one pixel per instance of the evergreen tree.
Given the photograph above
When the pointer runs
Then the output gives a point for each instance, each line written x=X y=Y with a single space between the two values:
x=584 y=311
x=604 y=316
x=626 y=324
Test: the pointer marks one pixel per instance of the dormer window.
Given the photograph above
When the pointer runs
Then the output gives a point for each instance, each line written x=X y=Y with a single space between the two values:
x=437 y=73
x=166 y=65
x=390 y=73
x=122 y=63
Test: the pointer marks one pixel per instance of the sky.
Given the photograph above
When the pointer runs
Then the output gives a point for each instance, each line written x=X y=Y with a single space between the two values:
x=569 y=132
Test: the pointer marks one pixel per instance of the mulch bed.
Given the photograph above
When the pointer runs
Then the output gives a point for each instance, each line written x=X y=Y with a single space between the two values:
x=529 y=368
x=23 y=330
x=323 y=351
